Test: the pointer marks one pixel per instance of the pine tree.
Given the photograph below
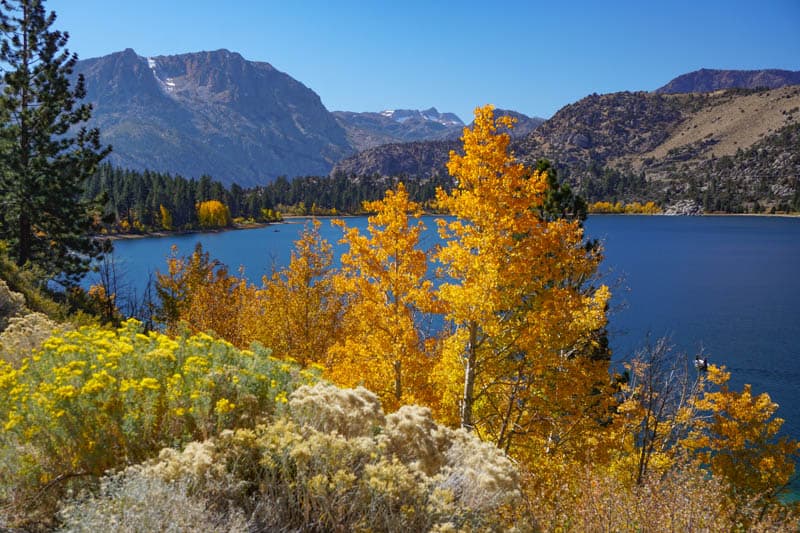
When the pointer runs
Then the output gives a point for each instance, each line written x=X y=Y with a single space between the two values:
x=47 y=154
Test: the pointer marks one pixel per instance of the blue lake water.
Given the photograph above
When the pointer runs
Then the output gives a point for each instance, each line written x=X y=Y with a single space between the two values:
x=728 y=285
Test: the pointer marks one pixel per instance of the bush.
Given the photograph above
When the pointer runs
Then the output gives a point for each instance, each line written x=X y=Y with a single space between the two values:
x=326 y=408
x=326 y=472
x=23 y=335
x=12 y=304
x=134 y=502
x=683 y=498
x=96 y=399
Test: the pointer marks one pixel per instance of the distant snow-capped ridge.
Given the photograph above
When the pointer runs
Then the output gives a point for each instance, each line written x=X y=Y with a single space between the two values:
x=431 y=115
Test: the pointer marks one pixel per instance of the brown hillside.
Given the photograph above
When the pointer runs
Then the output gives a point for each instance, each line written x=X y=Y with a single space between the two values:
x=730 y=122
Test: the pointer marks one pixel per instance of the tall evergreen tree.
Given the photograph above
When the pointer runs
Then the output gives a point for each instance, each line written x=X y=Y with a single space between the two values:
x=46 y=152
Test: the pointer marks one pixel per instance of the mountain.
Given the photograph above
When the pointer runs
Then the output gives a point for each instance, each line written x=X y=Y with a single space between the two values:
x=431 y=116
x=708 y=80
x=210 y=113
x=420 y=158
x=523 y=124
x=415 y=159
x=655 y=146
x=367 y=130
x=239 y=121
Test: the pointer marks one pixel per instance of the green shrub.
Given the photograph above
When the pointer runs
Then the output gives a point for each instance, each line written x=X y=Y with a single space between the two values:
x=96 y=399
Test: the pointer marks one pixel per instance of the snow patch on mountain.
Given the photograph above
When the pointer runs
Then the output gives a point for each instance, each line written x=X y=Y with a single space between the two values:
x=167 y=85
x=430 y=115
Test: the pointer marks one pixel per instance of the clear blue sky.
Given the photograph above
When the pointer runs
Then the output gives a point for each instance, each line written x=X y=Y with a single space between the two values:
x=528 y=56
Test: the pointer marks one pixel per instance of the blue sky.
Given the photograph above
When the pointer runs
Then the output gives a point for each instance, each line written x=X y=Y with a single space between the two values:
x=528 y=56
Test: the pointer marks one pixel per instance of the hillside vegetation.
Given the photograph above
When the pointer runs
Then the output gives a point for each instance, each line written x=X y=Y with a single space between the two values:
x=645 y=146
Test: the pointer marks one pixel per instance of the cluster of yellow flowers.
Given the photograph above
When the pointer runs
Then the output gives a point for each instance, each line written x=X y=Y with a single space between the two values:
x=94 y=399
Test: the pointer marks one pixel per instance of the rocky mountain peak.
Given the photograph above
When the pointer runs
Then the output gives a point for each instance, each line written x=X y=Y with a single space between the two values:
x=708 y=80
x=210 y=112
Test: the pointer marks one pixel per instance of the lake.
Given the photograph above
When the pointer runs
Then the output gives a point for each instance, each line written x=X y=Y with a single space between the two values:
x=729 y=285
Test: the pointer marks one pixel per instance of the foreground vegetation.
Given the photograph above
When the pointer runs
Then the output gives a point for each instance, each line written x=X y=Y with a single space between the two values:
x=364 y=397
x=384 y=401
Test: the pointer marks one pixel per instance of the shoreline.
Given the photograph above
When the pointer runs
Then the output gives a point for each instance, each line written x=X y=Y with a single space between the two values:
x=288 y=218
x=776 y=215
x=171 y=233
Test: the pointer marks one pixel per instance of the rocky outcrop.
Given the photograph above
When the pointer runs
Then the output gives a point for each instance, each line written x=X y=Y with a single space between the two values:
x=684 y=208
x=417 y=159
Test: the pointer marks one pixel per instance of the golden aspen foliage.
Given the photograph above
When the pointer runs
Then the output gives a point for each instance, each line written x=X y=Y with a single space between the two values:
x=668 y=416
x=383 y=279
x=104 y=304
x=606 y=207
x=213 y=214
x=518 y=304
x=648 y=208
x=655 y=410
x=166 y=217
x=200 y=293
x=738 y=438
x=297 y=312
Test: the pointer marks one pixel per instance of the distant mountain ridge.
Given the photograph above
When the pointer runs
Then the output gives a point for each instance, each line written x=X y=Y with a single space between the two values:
x=422 y=158
x=708 y=80
x=246 y=122
x=239 y=121
x=367 y=130
x=647 y=146
x=210 y=113
x=429 y=115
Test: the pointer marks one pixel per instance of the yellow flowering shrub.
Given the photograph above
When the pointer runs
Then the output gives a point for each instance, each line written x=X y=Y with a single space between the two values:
x=97 y=399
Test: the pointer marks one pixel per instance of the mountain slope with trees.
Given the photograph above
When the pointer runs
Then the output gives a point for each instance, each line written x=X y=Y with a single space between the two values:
x=367 y=130
x=646 y=146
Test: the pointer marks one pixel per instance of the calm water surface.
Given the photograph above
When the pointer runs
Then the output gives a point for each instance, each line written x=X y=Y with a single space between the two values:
x=727 y=285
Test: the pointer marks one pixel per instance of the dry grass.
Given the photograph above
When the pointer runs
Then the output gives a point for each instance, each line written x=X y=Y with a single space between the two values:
x=733 y=122
x=684 y=498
